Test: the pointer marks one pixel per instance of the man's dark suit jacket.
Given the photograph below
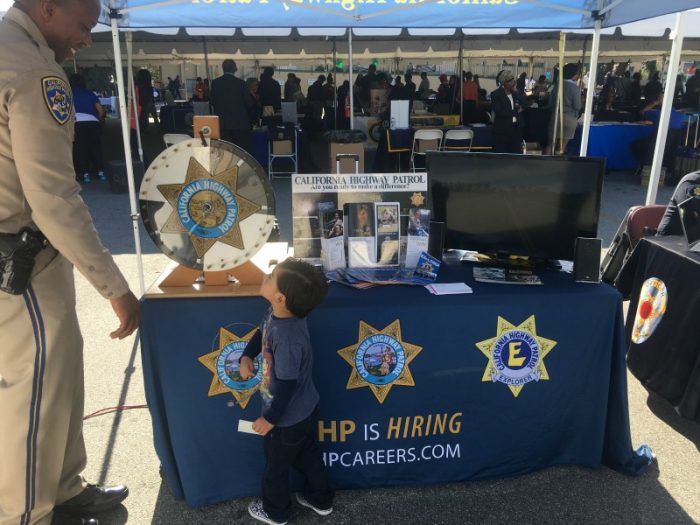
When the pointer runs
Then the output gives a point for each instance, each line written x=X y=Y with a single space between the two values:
x=229 y=98
x=506 y=133
x=270 y=93
x=502 y=109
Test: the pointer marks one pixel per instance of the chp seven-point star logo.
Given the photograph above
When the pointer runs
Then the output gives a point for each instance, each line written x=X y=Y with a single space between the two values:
x=516 y=355
x=380 y=359
x=222 y=361
x=207 y=208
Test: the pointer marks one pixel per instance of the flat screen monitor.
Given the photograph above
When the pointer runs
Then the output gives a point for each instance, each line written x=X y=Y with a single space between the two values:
x=524 y=205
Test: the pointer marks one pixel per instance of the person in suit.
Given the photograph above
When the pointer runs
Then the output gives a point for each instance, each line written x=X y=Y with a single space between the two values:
x=506 y=103
x=230 y=101
x=269 y=90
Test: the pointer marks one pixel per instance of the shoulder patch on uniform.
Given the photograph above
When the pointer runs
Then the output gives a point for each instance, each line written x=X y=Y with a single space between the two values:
x=57 y=96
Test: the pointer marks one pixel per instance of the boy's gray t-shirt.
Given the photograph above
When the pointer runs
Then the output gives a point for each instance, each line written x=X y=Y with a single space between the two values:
x=287 y=356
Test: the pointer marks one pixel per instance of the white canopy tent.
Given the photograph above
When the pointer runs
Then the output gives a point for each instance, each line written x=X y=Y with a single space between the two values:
x=485 y=16
x=528 y=14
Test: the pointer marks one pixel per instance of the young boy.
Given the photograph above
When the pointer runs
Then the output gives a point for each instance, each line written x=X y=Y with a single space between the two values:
x=289 y=418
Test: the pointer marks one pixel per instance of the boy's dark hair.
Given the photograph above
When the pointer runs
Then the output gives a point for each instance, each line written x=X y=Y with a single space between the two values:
x=303 y=286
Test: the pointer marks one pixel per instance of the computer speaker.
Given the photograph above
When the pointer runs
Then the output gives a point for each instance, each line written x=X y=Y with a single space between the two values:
x=436 y=239
x=587 y=260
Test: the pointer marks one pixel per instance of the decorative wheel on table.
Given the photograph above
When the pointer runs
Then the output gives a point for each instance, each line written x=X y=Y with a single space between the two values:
x=208 y=207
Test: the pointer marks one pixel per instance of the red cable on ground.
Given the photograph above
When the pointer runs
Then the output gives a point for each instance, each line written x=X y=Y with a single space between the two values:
x=109 y=410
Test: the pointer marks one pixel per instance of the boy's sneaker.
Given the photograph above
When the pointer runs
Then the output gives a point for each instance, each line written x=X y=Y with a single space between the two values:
x=101 y=175
x=304 y=503
x=256 y=510
x=86 y=177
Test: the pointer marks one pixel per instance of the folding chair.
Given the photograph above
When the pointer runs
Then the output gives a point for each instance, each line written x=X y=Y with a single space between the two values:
x=639 y=221
x=424 y=140
x=282 y=144
x=455 y=139
x=174 y=138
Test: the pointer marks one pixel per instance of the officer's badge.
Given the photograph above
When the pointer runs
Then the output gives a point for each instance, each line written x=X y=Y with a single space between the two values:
x=651 y=308
x=516 y=355
x=222 y=361
x=380 y=359
x=58 y=98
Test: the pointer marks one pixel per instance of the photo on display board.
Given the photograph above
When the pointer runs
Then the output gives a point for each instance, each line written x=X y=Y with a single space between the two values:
x=387 y=227
x=418 y=222
x=360 y=219
x=332 y=224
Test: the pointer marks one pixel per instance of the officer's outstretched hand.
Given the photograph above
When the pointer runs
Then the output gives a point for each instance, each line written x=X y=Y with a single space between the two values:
x=128 y=310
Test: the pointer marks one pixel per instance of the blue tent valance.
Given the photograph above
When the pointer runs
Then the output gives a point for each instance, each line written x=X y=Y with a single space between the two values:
x=525 y=14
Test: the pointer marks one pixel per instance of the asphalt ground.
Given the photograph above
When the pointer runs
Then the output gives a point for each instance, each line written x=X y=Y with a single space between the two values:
x=120 y=444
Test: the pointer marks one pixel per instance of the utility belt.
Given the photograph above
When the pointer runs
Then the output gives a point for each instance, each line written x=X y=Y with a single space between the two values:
x=18 y=253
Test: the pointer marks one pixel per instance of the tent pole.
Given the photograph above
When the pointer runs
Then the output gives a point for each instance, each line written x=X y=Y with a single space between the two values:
x=560 y=88
x=665 y=115
x=183 y=82
x=461 y=77
x=352 y=95
x=132 y=90
x=124 y=114
x=335 y=89
x=592 y=76
x=558 y=106
x=206 y=58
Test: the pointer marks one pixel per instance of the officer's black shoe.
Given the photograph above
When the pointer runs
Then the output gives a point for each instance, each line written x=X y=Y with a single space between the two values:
x=73 y=520
x=93 y=500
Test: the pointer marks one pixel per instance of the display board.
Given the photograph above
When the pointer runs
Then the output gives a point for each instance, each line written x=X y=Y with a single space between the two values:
x=316 y=195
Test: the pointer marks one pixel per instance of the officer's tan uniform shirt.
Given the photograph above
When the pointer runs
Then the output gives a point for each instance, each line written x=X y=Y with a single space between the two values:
x=37 y=181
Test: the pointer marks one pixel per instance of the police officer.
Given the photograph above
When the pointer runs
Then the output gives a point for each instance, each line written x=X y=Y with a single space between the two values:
x=42 y=453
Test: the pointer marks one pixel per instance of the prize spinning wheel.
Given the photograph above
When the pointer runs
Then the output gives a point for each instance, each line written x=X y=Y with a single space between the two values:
x=207 y=207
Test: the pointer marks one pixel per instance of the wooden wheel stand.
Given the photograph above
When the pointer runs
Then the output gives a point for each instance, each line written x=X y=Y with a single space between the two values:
x=178 y=281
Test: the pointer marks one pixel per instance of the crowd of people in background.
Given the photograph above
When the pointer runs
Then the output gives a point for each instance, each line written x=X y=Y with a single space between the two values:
x=243 y=104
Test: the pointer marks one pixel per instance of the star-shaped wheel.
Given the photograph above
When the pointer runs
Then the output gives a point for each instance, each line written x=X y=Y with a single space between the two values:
x=207 y=208
x=508 y=361
x=212 y=362
x=404 y=378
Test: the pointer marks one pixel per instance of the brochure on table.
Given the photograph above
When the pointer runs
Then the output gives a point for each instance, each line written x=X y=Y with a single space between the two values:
x=317 y=198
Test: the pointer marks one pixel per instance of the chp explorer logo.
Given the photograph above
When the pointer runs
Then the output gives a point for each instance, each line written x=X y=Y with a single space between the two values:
x=380 y=359
x=57 y=96
x=516 y=355
x=222 y=361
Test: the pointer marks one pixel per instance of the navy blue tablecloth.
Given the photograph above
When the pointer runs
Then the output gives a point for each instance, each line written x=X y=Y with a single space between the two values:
x=663 y=354
x=612 y=141
x=442 y=419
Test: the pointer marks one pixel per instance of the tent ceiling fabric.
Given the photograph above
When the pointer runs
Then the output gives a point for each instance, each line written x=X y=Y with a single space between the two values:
x=150 y=47
x=529 y=14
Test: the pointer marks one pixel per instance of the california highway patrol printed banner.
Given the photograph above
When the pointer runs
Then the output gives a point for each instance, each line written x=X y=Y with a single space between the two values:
x=316 y=194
